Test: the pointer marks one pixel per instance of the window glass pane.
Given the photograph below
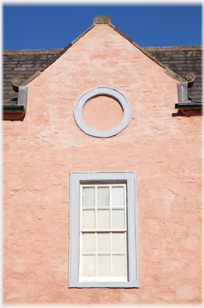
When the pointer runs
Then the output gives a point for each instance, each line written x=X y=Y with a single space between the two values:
x=103 y=198
x=119 y=265
x=88 y=265
x=103 y=219
x=103 y=265
x=88 y=218
x=88 y=242
x=103 y=242
x=118 y=242
x=88 y=196
x=118 y=196
x=118 y=219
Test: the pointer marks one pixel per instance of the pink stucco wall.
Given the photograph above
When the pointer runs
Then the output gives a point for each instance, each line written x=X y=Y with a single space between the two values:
x=102 y=113
x=40 y=152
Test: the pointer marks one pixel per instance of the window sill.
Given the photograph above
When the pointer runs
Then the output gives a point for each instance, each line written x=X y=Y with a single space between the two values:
x=128 y=284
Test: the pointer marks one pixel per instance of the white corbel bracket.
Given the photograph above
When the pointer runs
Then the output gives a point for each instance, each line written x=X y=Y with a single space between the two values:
x=22 y=96
x=183 y=93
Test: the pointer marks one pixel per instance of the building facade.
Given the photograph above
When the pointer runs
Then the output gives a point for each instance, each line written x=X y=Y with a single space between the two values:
x=102 y=179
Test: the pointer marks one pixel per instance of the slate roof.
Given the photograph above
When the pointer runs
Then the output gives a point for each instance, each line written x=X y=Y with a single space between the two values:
x=180 y=59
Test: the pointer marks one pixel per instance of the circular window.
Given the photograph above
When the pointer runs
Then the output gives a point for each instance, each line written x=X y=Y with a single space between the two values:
x=102 y=91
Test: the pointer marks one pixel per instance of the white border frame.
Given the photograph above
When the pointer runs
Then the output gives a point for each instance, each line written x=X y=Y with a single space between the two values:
x=76 y=178
x=107 y=91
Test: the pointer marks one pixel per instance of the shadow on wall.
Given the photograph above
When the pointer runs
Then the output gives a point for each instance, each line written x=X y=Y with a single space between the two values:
x=178 y=114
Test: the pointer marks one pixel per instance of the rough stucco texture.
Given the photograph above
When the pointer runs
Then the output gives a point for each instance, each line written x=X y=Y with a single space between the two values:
x=102 y=113
x=39 y=152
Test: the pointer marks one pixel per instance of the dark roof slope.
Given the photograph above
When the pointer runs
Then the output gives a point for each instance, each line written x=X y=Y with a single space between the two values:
x=182 y=60
x=22 y=64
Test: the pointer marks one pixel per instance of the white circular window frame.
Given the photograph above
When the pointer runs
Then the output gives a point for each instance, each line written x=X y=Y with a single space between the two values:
x=107 y=91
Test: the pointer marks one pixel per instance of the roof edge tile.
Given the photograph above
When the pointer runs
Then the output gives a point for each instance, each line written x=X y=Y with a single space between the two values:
x=182 y=47
x=32 y=51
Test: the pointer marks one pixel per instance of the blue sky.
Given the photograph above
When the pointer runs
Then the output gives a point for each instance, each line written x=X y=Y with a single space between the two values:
x=55 y=26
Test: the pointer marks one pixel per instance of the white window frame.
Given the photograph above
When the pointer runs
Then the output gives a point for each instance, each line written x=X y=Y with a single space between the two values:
x=102 y=177
x=97 y=231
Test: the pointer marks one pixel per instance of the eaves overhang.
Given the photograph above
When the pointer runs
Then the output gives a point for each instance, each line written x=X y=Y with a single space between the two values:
x=13 y=113
x=17 y=112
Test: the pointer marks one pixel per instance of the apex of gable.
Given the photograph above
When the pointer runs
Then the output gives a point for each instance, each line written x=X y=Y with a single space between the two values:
x=101 y=19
